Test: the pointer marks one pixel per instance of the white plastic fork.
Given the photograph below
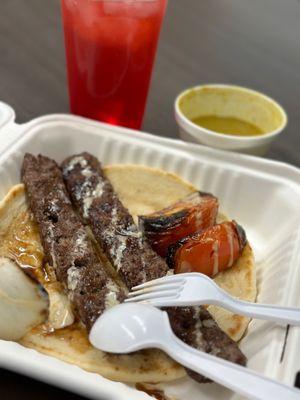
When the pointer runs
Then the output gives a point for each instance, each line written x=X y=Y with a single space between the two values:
x=192 y=289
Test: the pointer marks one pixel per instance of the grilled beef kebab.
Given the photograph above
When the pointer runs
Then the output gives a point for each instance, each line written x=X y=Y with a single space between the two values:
x=132 y=256
x=67 y=247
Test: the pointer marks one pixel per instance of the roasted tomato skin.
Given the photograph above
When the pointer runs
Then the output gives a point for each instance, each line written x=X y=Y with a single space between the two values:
x=210 y=251
x=192 y=214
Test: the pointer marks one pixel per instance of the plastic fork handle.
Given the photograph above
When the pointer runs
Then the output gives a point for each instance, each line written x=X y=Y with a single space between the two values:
x=281 y=315
x=235 y=377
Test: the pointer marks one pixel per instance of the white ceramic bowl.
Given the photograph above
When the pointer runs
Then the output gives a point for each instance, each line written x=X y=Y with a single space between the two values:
x=229 y=101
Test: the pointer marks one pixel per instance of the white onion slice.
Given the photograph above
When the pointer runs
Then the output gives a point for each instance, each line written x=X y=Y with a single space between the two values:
x=22 y=306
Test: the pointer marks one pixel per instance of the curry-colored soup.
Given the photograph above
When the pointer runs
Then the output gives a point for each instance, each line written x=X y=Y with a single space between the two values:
x=228 y=125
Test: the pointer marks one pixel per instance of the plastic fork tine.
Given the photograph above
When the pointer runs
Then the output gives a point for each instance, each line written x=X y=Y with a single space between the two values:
x=157 y=295
x=159 y=281
x=194 y=289
x=155 y=289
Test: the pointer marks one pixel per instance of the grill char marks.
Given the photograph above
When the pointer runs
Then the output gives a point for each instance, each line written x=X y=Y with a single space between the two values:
x=164 y=228
x=111 y=223
x=132 y=257
x=66 y=244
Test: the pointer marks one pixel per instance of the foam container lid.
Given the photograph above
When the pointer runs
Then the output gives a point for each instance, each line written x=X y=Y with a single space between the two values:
x=263 y=195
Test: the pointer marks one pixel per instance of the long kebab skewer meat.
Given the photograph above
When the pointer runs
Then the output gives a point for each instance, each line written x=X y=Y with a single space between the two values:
x=66 y=244
x=132 y=256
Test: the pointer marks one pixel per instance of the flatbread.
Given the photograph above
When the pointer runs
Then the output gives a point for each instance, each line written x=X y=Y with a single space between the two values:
x=240 y=282
x=143 y=190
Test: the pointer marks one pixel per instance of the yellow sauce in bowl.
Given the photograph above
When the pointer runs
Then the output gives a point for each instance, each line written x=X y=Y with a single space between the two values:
x=228 y=125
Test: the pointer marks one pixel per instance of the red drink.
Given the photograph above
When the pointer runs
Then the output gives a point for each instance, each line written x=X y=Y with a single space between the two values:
x=110 y=48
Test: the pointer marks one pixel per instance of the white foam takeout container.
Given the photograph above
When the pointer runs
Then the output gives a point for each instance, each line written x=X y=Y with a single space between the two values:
x=263 y=195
